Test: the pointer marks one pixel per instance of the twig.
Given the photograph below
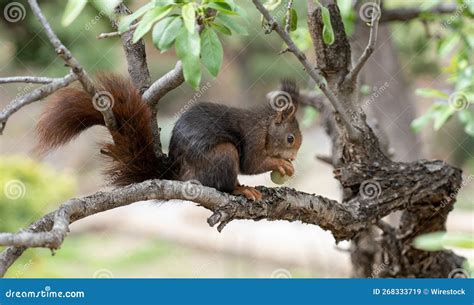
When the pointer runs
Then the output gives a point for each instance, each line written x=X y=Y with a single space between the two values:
x=353 y=133
x=27 y=79
x=288 y=16
x=325 y=159
x=33 y=96
x=374 y=24
x=71 y=62
x=114 y=34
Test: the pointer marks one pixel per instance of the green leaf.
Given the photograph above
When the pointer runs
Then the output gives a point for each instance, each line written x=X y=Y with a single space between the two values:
x=328 y=33
x=126 y=21
x=294 y=20
x=442 y=115
x=221 y=28
x=106 y=6
x=222 y=7
x=301 y=38
x=469 y=128
x=447 y=45
x=418 y=123
x=164 y=2
x=72 y=10
x=149 y=20
x=459 y=240
x=211 y=50
x=165 y=32
x=430 y=92
x=189 y=16
x=430 y=241
x=188 y=49
x=232 y=25
x=272 y=4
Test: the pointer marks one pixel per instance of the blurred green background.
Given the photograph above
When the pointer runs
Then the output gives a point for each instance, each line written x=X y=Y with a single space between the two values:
x=114 y=244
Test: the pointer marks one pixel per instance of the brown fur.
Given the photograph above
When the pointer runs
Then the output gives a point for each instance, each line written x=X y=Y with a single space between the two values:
x=211 y=143
x=70 y=111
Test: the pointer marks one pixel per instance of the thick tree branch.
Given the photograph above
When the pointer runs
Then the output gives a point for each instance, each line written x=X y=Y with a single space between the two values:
x=353 y=133
x=27 y=79
x=33 y=96
x=134 y=53
x=374 y=25
x=387 y=191
x=72 y=62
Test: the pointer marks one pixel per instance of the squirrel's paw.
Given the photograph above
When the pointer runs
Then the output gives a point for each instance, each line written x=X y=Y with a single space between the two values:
x=249 y=192
x=285 y=167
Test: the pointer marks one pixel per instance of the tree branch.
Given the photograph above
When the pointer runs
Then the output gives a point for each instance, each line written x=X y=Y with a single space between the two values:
x=27 y=79
x=168 y=82
x=134 y=52
x=33 y=96
x=409 y=13
x=114 y=34
x=353 y=133
x=71 y=62
x=386 y=192
x=374 y=25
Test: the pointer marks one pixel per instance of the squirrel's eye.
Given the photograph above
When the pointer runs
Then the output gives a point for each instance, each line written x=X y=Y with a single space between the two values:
x=290 y=138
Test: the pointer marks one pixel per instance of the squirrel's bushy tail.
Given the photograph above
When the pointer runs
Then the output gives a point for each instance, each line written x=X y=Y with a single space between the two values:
x=71 y=111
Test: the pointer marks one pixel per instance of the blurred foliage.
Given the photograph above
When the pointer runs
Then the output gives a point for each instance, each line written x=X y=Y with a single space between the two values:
x=438 y=241
x=29 y=190
x=139 y=256
x=455 y=43
x=32 y=48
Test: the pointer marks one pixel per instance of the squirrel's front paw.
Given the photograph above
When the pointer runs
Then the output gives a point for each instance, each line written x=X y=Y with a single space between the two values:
x=249 y=192
x=285 y=167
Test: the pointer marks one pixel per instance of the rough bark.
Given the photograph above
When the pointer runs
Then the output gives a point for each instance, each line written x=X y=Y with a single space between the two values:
x=363 y=164
x=374 y=185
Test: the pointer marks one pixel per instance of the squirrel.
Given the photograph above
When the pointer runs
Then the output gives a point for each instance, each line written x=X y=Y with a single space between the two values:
x=210 y=143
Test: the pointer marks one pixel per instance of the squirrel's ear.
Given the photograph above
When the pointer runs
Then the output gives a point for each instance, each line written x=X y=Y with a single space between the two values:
x=290 y=112
x=279 y=117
